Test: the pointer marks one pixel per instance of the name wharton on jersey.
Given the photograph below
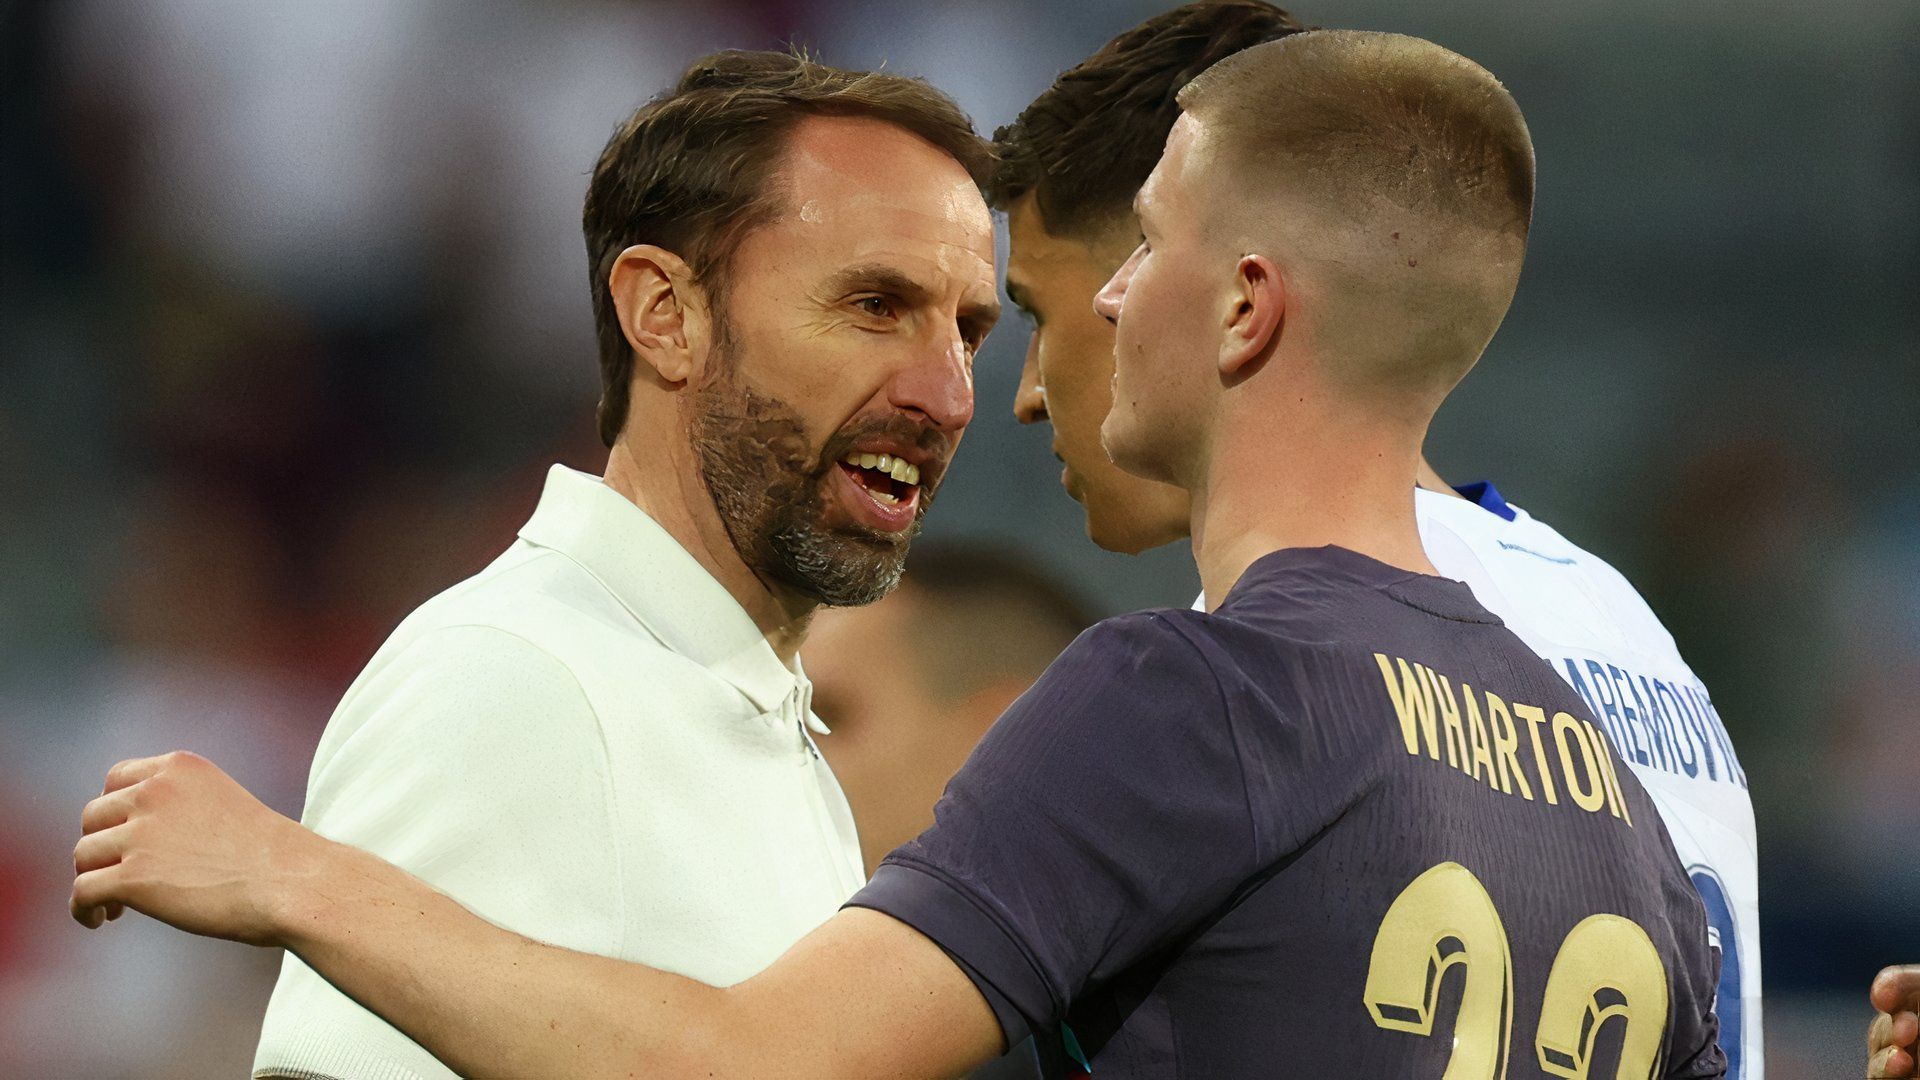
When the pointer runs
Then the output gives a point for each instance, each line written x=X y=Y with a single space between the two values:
x=1478 y=733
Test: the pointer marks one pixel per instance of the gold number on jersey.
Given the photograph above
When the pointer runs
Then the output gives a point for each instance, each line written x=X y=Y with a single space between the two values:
x=1445 y=918
x=1606 y=967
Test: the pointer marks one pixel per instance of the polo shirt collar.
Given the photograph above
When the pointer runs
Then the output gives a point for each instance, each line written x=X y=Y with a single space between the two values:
x=663 y=586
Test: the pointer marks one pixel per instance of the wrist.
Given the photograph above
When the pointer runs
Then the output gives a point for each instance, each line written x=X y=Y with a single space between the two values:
x=292 y=898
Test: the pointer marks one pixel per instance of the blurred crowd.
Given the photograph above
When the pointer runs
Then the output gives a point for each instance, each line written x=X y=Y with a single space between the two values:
x=293 y=314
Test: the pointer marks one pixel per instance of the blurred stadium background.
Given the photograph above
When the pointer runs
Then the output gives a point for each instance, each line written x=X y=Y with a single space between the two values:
x=293 y=315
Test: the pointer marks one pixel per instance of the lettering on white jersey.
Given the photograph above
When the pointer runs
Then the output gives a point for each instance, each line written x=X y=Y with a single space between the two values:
x=1590 y=625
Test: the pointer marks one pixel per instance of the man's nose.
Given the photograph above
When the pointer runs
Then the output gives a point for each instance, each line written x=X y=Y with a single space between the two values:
x=1106 y=303
x=939 y=385
x=1030 y=401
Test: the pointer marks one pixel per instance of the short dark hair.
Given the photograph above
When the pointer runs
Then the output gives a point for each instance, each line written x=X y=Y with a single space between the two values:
x=1086 y=145
x=690 y=171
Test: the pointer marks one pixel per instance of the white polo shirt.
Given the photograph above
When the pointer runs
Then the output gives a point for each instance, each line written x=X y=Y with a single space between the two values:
x=590 y=743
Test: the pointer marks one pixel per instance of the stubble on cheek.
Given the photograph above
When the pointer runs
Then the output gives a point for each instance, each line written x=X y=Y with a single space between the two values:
x=754 y=455
x=767 y=485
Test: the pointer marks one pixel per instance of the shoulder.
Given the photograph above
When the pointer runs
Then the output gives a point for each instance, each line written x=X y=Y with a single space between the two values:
x=461 y=689
x=534 y=593
x=530 y=622
x=1144 y=648
x=1128 y=675
x=1621 y=600
x=1544 y=585
x=471 y=660
x=465 y=725
x=453 y=682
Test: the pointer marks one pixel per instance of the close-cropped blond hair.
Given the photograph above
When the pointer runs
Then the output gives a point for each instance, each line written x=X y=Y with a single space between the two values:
x=1362 y=116
x=1397 y=173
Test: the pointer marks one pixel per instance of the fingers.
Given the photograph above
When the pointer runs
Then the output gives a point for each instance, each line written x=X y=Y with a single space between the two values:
x=93 y=892
x=108 y=810
x=98 y=850
x=132 y=771
x=1906 y=1026
x=104 y=837
x=1896 y=989
x=1890 y=1045
x=1891 y=1063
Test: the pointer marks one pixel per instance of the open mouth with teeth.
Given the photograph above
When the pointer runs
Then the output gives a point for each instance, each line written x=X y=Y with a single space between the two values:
x=891 y=481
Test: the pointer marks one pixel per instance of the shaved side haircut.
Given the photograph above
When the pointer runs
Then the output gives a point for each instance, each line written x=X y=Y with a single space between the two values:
x=1398 y=173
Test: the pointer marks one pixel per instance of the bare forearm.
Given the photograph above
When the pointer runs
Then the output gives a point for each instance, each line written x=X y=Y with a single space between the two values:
x=484 y=1000
x=862 y=995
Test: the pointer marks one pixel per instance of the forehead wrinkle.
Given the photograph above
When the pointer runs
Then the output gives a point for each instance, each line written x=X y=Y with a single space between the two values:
x=878 y=225
x=871 y=216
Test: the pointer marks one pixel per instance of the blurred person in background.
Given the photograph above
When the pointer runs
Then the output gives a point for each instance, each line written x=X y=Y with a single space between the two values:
x=966 y=633
x=602 y=739
x=1070 y=167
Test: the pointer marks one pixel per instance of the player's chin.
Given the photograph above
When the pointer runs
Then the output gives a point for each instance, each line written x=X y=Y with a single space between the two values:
x=1112 y=524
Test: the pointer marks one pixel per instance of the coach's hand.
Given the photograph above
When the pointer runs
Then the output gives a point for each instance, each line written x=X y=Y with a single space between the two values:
x=1890 y=1041
x=176 y=838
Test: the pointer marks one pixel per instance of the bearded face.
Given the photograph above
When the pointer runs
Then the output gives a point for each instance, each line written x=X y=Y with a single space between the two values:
x=829 y=519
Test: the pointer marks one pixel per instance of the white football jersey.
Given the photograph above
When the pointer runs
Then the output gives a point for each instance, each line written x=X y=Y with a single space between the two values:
x=1596 y=631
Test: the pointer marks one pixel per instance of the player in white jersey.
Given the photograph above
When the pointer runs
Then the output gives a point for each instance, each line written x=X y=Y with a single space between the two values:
x=1070 y=167
x=1596 y=632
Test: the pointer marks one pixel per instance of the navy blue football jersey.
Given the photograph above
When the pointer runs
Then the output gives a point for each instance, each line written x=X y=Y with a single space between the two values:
x=1347 y=825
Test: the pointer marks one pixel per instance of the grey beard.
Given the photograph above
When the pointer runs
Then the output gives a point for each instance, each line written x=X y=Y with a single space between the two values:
x=770 y=493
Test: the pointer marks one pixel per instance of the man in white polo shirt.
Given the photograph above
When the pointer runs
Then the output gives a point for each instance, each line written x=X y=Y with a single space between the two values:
x=603 y=739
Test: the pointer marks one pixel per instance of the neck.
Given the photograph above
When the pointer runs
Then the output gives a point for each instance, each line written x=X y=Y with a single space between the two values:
x=1330 y=477
x=1431 y=480
x=672 y=494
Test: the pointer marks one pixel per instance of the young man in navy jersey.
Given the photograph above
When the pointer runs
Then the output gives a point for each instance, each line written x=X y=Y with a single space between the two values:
x=1068 y=171
x=1250 y=842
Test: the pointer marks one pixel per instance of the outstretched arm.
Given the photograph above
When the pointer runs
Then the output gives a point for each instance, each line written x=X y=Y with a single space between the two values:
x=864 y=995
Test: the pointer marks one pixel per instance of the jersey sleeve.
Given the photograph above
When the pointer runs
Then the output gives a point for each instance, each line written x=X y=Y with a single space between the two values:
x=475 y=762
x=1100 y=819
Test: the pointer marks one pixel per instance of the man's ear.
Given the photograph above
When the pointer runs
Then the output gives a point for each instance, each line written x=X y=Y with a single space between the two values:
x=661 y=311
x=1255 y=317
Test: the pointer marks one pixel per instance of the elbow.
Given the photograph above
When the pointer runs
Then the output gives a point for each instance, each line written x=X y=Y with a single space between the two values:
x=731 y=1035
x=708 y=1039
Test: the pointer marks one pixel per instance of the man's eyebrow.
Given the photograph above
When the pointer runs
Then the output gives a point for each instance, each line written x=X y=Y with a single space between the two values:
x=881 y=278
x=877 y=277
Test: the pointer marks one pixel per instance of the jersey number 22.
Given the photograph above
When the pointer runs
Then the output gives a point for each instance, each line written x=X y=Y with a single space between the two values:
x=1606 y=967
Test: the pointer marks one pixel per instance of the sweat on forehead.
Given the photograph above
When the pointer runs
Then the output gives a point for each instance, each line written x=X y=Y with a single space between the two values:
x=851 y=194
x=856 y=165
